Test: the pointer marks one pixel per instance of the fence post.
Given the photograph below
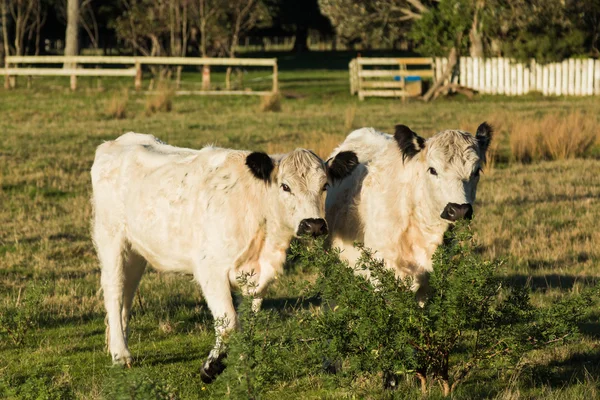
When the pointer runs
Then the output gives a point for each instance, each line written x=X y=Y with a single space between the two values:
x=500 y=66
x=584 y=78
x=597 y=77
x=551 y=79
x=526 y=78
x=571 y=77
x=275 y=78
x=6 y=77
x=559 y=79
x=488 y=76
x=565 y=78
x=545 y=80
x=577 y=77
x=351 y=72
x=205 y=77
x=138 y=75
x=462 y=66
x=590 y=85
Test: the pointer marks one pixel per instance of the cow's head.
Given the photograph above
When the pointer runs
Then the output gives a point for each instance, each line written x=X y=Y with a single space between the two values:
x=449 y=163
x=298 y=183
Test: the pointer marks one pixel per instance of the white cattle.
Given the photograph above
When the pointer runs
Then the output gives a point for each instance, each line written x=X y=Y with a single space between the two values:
x=214 y=213
x=404 y=195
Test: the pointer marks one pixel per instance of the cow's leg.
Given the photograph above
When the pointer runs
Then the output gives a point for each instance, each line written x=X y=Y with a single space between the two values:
x=217 y=292
x=133 y=268
x=257 y=303
x=110 y=246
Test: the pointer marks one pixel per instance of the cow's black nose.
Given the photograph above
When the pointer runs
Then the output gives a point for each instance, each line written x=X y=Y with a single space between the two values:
x=312 y=226
x=453 y=212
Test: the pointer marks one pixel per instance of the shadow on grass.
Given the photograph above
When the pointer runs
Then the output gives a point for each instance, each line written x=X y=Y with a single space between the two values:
x=165 y=358
x=575 y=368
x=555 y=198
x=591 y=326
x=287 y=305
x=543 y=283
x=52 y=321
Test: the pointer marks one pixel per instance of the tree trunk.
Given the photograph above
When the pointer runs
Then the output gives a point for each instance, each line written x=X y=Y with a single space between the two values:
x=446 y=388
x=5 y=40
x=72 y=33
x=452 y=61
x=476 y=49
x=300 y=44
x=5 y=27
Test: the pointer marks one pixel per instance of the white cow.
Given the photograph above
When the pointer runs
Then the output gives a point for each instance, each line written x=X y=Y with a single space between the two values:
x=214 y=213
x=404 y=195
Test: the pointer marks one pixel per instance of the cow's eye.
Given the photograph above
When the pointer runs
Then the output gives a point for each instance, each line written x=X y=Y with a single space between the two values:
x=325 y=187
x=285 y=187
x=432 y=171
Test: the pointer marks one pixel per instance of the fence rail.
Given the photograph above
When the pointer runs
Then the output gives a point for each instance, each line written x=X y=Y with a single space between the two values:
x=572 y=77
x=12 y=69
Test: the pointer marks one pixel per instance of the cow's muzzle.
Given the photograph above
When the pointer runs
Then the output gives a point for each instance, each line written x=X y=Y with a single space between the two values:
x=312 y=226
x=453 y=212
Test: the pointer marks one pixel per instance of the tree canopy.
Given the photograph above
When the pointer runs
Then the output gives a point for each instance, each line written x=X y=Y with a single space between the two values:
x=547 y=30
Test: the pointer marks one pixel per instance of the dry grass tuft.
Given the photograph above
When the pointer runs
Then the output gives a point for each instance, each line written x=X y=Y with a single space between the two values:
x=270 y=103
x=162 y=101
x=321 y=144
x=349 y=118
x=524 y=144
x=553 y=137
x=116 y=108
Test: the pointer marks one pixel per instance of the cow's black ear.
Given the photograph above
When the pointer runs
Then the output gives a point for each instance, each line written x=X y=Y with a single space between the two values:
x=484 y=136
x=409 y=142
x=261 y=165
x=342 y=165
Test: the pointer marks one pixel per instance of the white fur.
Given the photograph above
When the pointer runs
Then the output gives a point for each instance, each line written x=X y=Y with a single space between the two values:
x=200 y=212
x=393 y=206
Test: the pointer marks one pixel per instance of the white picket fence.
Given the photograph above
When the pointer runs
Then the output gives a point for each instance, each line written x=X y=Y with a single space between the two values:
x=572 y=77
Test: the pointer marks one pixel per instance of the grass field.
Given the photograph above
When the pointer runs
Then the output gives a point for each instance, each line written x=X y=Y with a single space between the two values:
x=542 y=217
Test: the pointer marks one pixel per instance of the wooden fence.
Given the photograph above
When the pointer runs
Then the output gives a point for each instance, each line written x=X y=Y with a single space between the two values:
x=387 y=77
x=572 y=77
x=12 y=69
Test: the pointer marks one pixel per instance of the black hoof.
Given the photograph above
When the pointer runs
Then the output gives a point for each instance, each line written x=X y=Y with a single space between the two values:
x=390 y=381
x=212 y=368
x=332 y=367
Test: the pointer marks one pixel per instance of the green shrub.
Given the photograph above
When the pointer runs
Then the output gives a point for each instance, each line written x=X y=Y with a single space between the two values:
x=366 y=330
x=267 y=349
x=468 y=322
x=129 y=384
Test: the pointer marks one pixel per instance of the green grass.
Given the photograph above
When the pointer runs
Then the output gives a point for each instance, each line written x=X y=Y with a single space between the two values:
x=543 y=217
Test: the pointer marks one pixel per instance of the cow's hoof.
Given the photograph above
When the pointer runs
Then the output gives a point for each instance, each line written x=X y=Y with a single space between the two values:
x=332 y=367
x=122 y=361
x=390 y=381
x=212 y=368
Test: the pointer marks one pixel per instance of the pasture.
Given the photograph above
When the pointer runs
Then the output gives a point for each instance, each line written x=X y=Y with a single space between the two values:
x=542 y=217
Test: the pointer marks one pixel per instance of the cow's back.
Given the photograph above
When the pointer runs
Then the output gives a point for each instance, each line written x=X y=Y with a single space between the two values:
x=366 y=143
x=152 y=191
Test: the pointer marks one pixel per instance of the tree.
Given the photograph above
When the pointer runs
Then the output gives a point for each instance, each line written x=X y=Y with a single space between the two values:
x=72 y=32
x=4 y=10
x=439 y=27
x=24 y=17
x=298 y=17
x=371 y=22
x=443 y=29
x=547 y=30
x=475 y=35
